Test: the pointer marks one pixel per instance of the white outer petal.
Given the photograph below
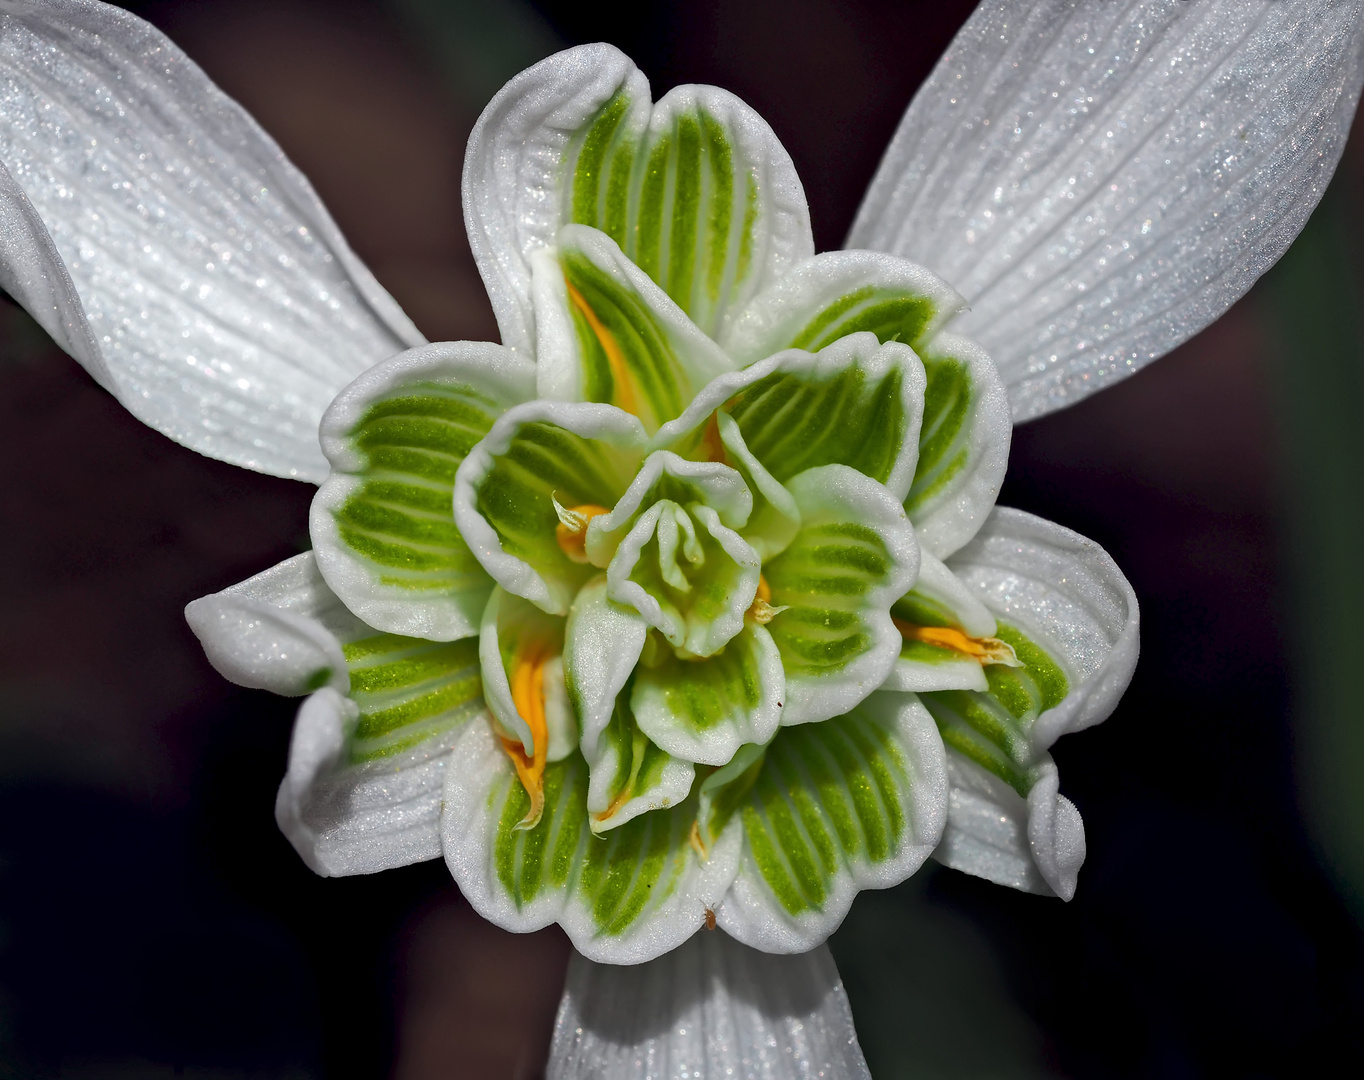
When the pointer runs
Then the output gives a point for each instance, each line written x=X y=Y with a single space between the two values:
x=1102 y=180
x=165 y=241
x=276 y=630
x=346 y=820
x=712 y=1008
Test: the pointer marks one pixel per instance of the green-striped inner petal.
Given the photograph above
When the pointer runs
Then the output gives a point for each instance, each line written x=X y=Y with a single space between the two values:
x=618 y=877
x=944 y=439
x=792 y=422
x=992 y=727
x=823 y=579
x=681 y=201
x=544 y=462
x=826 y=795
x=628 y=360
x=529 y=861
x=409 y=690
x=399 y=518
x=891 y=314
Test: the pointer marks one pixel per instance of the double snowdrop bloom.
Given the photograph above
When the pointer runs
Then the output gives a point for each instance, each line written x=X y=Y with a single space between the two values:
x=689 y=603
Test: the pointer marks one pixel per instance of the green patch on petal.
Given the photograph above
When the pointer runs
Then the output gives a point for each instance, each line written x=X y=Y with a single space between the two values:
x=944 y=439
x=543 y=462
x=704 y=710
x=397 y=519
x=683 y=197
x=826 y=795
x=822 y=580
x=628 y=357
x=992 y=727
x=530 y=862
x=854 y=404
x=409 y=691
x=630 y=775
x=891 y=314
x=834 y=583
x=618 y=878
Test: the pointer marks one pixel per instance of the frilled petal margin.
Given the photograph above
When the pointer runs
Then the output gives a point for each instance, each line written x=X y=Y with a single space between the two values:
x=712 y=1008
x=575 y=139
x=367 y=759
x=1103 y=180
x=1073 y=618
x=164 y=240
x=382 y=522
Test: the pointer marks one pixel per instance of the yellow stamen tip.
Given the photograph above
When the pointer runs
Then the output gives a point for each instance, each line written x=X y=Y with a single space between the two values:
x=571 y=532
x=985 y=650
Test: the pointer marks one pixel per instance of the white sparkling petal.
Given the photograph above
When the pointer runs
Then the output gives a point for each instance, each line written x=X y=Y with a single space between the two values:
x=277 y=630
x=1102 y=180
x=357 y=819
x=710 y=1009
x=165 y=241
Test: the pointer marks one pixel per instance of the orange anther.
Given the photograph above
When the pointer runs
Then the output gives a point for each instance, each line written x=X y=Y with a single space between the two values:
x=987 y=650
x=528 y=695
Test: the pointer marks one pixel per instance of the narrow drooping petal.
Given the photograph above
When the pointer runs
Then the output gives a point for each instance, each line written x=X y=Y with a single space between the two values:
x=1102 y=180
x=605 y=332
x=853 y=557
x=369 y=749
x=696 y=189
x=625 y=897
x=538 y=459
x=856 y=402
x=383 y=522
x=629 y=774
x=165 y=241
x=713 y=1008
x=1072 y=621
x=857 y=802
x=837 y=293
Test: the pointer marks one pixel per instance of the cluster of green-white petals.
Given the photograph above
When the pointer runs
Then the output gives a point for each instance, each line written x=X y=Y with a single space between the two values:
x=656 y=614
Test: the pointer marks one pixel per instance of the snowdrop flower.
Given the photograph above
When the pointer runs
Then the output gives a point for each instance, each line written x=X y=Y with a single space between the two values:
x=688 y=604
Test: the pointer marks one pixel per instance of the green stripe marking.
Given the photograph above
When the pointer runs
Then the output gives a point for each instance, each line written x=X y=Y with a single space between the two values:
x=992 y=727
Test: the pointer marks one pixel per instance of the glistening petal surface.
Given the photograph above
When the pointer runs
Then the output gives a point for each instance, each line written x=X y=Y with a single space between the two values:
x=369 y=748
x=1103 y=180
x=208 y=287
x=711 y=1008
x=1072 y=620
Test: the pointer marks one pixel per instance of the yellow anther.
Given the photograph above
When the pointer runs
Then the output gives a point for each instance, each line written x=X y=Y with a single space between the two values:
x=571 y=532
x=986 y=650
x=697 y=844
x=762 y=611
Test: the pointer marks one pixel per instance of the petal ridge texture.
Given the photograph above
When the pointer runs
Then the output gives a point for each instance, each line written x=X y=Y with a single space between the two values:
x=1103 y=180
x=713 y=1007
x=164 y=240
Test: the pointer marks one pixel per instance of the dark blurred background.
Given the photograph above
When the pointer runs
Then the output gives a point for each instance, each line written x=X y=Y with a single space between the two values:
x=154 y=923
